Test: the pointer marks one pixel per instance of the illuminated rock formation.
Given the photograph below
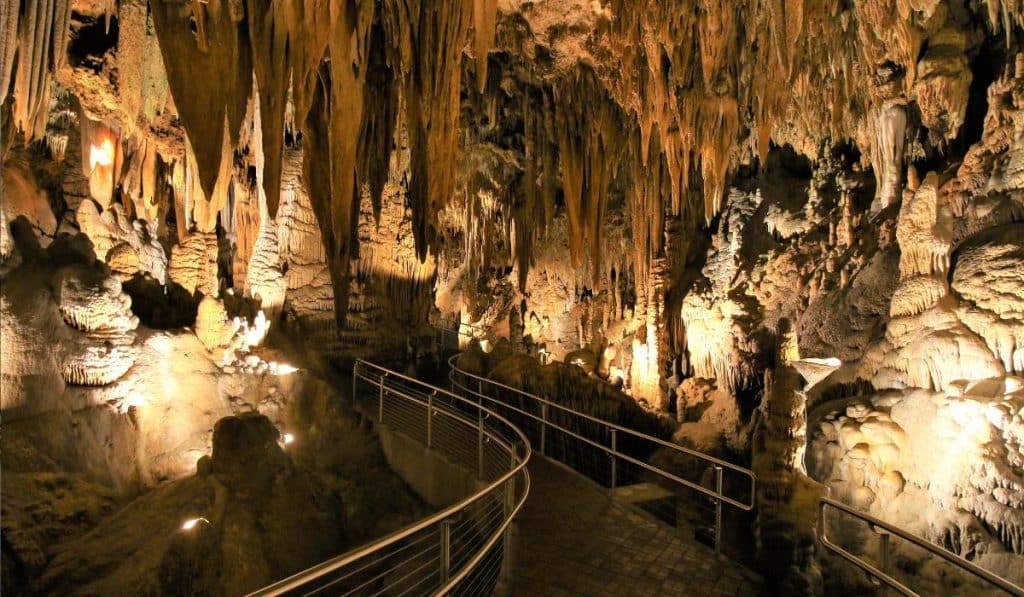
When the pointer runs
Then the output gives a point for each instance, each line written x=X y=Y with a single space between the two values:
x=643 y=207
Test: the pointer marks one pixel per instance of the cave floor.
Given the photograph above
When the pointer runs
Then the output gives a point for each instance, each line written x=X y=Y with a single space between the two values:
x=572 y=538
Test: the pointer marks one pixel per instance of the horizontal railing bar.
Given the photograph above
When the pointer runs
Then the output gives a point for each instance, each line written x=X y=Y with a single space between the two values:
x=695 y=486
x=739 y=469
x=745 y=506
x=429 y=562
x=559 y=428
x=517 y=466
x=490 y=543
x=383 y=557
x=824 y=503
x=468 y=422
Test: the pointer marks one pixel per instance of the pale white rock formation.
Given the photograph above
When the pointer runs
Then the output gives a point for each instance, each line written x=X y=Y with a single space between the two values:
x=711 y=339
x=917 y=294
x=890 y=133
x=924 y=230
x=264 y=278
x=214 y=327
x=193 y=263
x=786 y=224
x=226 y=337
x=93 y=303
x=112 y=229
x=987 y=278
x=946 y=466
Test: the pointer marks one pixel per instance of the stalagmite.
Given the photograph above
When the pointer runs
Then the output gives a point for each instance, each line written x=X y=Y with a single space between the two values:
x=95 y=306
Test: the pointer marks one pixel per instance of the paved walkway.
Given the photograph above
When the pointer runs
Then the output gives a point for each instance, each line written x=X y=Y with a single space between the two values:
x=571 y=538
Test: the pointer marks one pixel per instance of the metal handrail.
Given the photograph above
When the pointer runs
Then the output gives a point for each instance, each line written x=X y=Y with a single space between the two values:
x=391 y=384
x=612 y=451
x=888 y=529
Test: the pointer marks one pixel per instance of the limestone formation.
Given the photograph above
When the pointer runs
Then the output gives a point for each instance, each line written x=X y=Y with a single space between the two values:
x=94 y=304
x=784 y=232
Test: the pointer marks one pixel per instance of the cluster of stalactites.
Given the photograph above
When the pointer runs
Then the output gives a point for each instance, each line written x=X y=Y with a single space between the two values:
x=691 y=94
x=34 y=36
x=336 y=71
x=589 y=130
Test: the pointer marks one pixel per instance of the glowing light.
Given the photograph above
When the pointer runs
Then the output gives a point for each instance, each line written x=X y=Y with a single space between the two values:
x=191 y=523
x=103 y=155
x=485 y=345
x=281 y=369
x=254 y=334
x=287 y=438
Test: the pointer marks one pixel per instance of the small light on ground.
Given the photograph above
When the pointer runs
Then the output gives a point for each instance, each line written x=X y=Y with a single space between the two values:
x=287 y=438
x=191 y=523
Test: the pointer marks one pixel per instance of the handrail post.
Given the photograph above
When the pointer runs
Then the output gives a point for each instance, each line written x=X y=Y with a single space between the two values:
x=543 y=426
x=614 y=461
x=446 y=549
x=506 y=561
x=883 y=549
x=718 y=508
x=480 y=443
x=355 y=378
x=380 y=408
x=430 y=419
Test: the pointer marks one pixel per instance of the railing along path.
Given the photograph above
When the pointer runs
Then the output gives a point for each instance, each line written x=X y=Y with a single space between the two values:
x=883 y=570
x=614 y=456
x=463 y=549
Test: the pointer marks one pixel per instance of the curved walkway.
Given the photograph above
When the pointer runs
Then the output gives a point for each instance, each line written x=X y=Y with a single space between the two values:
x=572 y=538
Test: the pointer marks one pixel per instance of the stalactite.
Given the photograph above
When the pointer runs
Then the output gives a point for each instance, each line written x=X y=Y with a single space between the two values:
x=211 y=85
x=379 y=116
x=316 y=153
x=269 y=42
x=9 y=40
x=41 y=34
x=589 y=132
x=61 y=33
x=140 y=181
x=427 y=43
x=717 y=128
x=485 y=13
x=141 y=79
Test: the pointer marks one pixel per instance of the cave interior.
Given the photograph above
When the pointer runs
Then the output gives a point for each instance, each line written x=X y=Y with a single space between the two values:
x=784 y=237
